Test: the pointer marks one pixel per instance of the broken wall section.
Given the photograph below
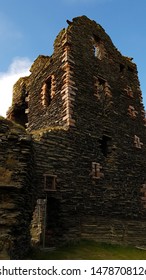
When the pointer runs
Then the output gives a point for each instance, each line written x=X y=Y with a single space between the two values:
x=19 y=109
x=16 y=190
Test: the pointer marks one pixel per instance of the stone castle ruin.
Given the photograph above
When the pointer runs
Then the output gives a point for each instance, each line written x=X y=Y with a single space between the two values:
x=73 y=148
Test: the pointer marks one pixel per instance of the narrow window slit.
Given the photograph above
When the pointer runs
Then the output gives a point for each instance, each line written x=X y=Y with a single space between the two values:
x=105 y=144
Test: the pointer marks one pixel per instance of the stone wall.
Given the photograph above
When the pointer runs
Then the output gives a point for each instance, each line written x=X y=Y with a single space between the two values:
x=106 y=124
x=16 y=189
x=114 y=231
x=115 y=197
x=86 y=118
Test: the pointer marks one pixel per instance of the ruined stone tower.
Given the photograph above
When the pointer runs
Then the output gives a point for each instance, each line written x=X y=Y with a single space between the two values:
x=83 y=109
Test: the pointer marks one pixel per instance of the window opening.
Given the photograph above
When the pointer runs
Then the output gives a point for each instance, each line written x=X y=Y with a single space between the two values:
x=99 y=50
x=122 y=67
x=50 y=182
x=96 y=170
x=132 y=112
x=99 y=87
x=48 y=91
x=129 y=91
x=20 y=116
x=105 y=144
x=137 y=142
x=20 y=113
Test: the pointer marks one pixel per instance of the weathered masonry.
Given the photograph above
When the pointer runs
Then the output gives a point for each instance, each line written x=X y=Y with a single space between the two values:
x=83 y=109
x=17 y=193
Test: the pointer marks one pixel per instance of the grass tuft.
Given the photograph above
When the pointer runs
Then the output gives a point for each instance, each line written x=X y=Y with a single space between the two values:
x=90 y=250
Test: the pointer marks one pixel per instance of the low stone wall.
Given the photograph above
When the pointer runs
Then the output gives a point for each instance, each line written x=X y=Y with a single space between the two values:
x=115 y=231
x=16 y=201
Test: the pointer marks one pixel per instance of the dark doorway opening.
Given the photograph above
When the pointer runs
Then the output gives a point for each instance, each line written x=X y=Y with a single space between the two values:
x=52 y=222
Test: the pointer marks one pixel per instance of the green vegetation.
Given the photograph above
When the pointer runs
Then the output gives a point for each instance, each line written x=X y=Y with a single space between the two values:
x=11 y=162
x=14 y=128
x=42 y=131
x=7 y=170
x=2 y=118
x=90 y=250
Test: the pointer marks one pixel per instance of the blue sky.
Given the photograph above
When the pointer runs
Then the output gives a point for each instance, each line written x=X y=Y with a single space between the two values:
x=28 y=28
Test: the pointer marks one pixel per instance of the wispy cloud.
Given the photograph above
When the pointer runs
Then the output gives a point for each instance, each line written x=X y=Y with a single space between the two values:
x=18 y=68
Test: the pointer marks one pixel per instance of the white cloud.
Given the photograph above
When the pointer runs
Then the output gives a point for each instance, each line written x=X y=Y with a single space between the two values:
x=18 y=68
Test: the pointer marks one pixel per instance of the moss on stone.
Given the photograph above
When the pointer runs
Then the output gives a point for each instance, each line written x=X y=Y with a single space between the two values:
x=5 y=176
